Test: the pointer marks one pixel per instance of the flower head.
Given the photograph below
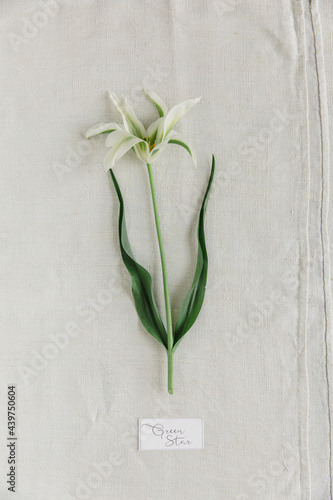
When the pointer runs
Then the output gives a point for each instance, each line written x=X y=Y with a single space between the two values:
x=148 y=143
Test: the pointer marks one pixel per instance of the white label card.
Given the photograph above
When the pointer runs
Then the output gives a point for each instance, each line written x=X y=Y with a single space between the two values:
x=171 y=434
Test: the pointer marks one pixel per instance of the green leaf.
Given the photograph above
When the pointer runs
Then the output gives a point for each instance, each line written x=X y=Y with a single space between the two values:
x=141 y=280
x=194 y=300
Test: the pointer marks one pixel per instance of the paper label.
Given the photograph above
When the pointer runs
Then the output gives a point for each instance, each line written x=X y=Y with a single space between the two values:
x=171 y=434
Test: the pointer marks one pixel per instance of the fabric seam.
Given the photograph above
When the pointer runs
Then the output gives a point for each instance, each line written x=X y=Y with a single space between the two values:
x=322 y=100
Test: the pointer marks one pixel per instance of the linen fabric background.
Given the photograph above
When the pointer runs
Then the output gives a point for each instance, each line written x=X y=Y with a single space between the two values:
x=256 y=366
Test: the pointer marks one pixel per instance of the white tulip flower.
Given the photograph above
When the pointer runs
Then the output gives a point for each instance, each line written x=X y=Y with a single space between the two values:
x=147 y=144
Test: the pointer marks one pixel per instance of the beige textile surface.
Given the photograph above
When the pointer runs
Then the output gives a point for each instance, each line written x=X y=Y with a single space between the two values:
x=257 y=363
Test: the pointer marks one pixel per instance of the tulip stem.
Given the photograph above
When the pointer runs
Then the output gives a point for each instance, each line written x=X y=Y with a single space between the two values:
x=165 y=283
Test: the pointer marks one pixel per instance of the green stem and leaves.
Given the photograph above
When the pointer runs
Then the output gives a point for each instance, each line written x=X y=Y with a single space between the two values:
x=142 y=290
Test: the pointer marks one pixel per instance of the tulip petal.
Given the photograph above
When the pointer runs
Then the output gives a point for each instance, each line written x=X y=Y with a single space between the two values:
x=176 y=138
x=156 y=151
x=141 y=150
x=120 y=142
x=161 y=107
x=131 y=123
x=173 y=116
x=152 y=129
x=102 y=128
